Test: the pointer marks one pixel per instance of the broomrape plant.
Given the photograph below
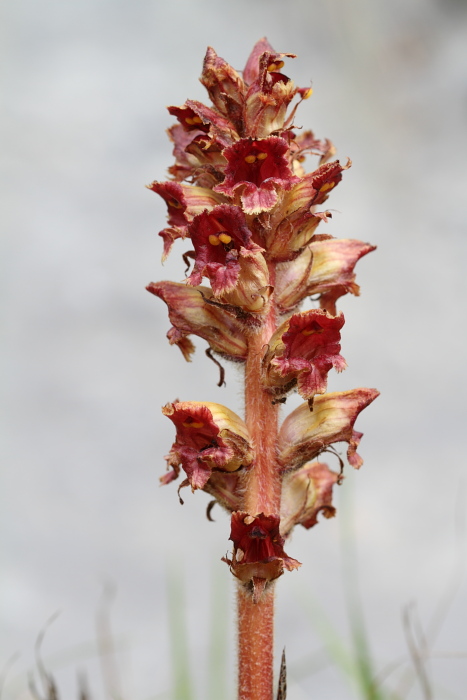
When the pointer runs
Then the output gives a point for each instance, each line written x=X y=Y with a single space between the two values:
x=239 y=192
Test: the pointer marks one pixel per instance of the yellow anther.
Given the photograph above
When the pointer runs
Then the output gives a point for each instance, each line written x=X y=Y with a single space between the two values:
x=225 y=238
x=272 y=67
x=279 y=65
x=250 y=159
x=192 y=424
x=307 y=331
x=213 y=239
x=257 y=304
x=300 y=159
x=173 y=203
x=327 y=186
x=189 y=120
x=197 y=120
x=308 y=93
x=262 y=155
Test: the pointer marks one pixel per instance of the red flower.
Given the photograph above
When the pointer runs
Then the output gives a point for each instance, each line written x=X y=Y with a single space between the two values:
x=258 y=554
x=183 y=203
x=303 y=350
x=225 y=253
x=194 y=116
x=270 y=91
x=256 y=170
x=209 y=436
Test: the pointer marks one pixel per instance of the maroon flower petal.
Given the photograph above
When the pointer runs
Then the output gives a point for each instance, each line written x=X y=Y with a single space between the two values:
x=258 y=551
x=251 y=71
x=209 y=436
x=195 y=116
x=220 y=237
x=184 y=201
x=303 y=350
x=256 y=170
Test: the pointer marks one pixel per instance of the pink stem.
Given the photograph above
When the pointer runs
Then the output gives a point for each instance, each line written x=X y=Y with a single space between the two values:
x=256 y=619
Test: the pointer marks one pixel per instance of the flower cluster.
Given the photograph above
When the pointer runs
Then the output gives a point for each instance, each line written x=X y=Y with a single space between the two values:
x=239 y=192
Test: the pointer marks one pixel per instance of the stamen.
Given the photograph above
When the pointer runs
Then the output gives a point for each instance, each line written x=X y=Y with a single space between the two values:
x=225 y=238
x=308 y=93
x=262 y=155
x=190 y=423
x=279 y=65
x=197 y=120
x=327 y=186
x=272 y=67
x=189 y=120
x=213 y=239
x=250 y=159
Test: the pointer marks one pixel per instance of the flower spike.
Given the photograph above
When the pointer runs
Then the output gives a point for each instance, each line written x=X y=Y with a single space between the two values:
x=241 y=195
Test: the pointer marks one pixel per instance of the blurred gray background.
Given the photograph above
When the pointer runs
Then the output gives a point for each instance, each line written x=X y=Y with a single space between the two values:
x=86 y=365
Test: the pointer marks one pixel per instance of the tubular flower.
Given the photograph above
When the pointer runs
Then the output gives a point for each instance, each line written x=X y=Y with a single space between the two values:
x=183 y=204
x=225 y=253
x=258 y=555
x=292 y=225
x=305 y=434
x=256 y=170
x=240 y=196
x=326 y=267
x=307 y=492
x=301 y=352
x=209 y=436
x=191 y=313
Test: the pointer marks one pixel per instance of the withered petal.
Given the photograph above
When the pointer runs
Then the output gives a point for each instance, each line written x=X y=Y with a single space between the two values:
x=304 y=433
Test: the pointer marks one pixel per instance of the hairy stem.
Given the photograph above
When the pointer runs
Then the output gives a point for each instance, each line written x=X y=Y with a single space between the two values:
x=256 y=619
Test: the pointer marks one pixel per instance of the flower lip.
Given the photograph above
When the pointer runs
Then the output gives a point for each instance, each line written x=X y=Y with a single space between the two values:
x=304 y=349
x=209 y=436
x=172 y=194
x=188 y=118
x=258 y=548
x=219 y=237
x=257 y=168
